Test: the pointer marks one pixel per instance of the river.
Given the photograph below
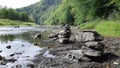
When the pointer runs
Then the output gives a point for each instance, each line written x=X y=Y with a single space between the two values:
x=22 y=44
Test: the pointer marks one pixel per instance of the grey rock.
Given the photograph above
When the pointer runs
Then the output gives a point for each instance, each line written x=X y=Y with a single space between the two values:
x=86 y=36
x=65 y=33
x=95 y=45
x=77 y=55
x=91 y=52
x=63 y=40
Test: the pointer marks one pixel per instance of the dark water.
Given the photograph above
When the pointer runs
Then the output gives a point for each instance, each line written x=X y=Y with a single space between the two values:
x=22 y=44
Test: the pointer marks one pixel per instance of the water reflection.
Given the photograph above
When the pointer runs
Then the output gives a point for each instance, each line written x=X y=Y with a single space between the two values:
x=22 y=45
x=7 y=38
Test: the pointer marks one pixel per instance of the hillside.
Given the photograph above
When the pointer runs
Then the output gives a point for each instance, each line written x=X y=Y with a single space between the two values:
x=40 y=11
x=76 y=12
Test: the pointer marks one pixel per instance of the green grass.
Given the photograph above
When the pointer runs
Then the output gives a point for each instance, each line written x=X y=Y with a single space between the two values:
x=6 y=22
x=88 y=25
x=105 y=28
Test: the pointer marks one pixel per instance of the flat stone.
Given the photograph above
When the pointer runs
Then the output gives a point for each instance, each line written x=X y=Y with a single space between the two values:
x=91 y=52
x=95 y=45
x=53 y=35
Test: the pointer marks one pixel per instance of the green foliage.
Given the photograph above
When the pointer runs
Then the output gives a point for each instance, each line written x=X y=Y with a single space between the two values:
x=6 y=22
x=14 y=15
x=76 y=12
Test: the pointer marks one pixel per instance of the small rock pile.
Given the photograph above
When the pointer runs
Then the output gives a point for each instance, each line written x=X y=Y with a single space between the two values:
x=64 y=34
x=93 y=47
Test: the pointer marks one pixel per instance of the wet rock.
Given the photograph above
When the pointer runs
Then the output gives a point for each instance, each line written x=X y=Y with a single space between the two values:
x=9 y=59
x=8 y=47
x=12 y=54
x=85 y=36
x=17 y=27
x=2 y=63
x=0 y=51
x=19 y=66
x=35 y=43
x=37 y=36
x=31 y=65
x=1 y=58
x=22 y=45
x=18 y=53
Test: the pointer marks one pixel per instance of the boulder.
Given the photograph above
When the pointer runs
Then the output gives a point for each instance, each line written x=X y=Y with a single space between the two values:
x=86 y=36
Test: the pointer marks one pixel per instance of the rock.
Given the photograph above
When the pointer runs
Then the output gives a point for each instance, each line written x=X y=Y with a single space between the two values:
x=17 y=27
x=2 y=63
x=10 y=59
x=12 y=54
x=8 y=47
x=65 y=34
x=63 y=40
x=0 y=51
x=1 y=58
x=37 y=36
x=85 y=36
x=116 y=63
x=95 y=45
x=76 y=55
x=91 y=52
x=53 y=35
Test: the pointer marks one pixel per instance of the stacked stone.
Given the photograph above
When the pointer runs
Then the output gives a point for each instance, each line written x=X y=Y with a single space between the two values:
x=93 y=47
x=64 y=34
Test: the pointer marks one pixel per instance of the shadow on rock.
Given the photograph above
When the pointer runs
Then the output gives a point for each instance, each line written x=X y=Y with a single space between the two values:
x=106 y=57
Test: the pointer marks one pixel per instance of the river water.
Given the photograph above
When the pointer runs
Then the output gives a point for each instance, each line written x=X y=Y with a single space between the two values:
x=21 y=42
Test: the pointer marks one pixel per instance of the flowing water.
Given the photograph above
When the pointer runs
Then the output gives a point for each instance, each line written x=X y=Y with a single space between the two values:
x=18 y=44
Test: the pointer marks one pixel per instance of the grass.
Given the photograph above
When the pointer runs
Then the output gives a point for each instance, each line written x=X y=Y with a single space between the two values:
x=105 y=28
x=6 y=22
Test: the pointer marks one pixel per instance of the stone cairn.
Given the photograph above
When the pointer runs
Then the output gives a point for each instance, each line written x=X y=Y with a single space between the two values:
x=63 y=35
x=93 y=47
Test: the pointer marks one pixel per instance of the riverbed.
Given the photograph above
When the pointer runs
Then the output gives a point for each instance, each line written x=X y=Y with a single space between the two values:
x=22 y=45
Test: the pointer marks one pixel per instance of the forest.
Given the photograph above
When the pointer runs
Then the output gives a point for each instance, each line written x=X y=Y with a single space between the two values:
x=12 y=14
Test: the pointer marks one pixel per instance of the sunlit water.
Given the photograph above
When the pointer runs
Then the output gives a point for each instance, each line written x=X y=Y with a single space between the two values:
x=22 y=45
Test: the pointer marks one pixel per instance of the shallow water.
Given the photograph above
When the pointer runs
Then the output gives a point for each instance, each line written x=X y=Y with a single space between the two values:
x=22 y=44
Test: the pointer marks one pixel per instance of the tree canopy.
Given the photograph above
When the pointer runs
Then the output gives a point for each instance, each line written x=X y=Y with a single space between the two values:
x=12 y=14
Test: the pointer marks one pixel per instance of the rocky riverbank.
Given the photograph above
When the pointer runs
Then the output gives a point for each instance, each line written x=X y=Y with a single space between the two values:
x=109 y=59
